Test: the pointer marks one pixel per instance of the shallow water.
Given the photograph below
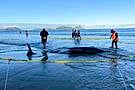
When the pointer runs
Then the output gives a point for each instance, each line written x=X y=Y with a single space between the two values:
x=113 y=70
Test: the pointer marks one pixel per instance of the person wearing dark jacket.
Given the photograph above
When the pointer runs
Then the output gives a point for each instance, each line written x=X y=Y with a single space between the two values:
x=78 y=34
x=44 y=34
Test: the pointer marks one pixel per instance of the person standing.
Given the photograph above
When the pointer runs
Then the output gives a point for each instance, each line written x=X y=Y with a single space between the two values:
x=73 y=33
x=26 y=33
x=78 y=34
x=44 y=34
x=114 y=37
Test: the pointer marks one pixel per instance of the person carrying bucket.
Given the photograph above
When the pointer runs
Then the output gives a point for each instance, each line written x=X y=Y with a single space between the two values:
x=114 y=38
x=44 y=34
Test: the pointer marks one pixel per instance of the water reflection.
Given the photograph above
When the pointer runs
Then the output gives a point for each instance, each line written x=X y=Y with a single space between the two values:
x=77 y=41
x=45 y=55
x=114 y=59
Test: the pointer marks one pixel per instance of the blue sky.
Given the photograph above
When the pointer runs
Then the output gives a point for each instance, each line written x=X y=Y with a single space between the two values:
x=89 y=12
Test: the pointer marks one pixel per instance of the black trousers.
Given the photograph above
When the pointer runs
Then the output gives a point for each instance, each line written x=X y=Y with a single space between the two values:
x=114 y=42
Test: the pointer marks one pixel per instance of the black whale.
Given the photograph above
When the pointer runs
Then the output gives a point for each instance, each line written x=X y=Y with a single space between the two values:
x=78 y=50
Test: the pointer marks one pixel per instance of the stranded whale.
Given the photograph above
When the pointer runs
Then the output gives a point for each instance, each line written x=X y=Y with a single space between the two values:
x=78 y=50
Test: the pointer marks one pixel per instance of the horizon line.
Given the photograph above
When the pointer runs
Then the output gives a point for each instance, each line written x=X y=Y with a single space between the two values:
x=70 y=24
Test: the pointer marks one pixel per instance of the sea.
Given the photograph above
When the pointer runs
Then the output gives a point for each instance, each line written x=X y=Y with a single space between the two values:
x=113 y=70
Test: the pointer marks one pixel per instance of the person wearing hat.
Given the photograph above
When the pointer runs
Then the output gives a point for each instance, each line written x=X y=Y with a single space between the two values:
x=114 y=37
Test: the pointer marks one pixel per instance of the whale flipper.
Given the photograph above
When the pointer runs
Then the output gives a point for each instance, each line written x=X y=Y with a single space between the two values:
x=30 y=52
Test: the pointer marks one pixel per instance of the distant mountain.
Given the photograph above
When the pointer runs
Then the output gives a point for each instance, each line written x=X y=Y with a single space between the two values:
x=64 y=28
x=79 y=27
x=109 y=26
x=31 y=26
x=12 y=29
x=36 y=27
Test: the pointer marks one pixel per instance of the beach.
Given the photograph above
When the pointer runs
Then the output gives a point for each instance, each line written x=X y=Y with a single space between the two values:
x=112 y=70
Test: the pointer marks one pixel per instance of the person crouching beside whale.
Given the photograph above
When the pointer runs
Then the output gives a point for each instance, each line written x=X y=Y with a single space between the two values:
x=114 y=38
x=44 y=34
